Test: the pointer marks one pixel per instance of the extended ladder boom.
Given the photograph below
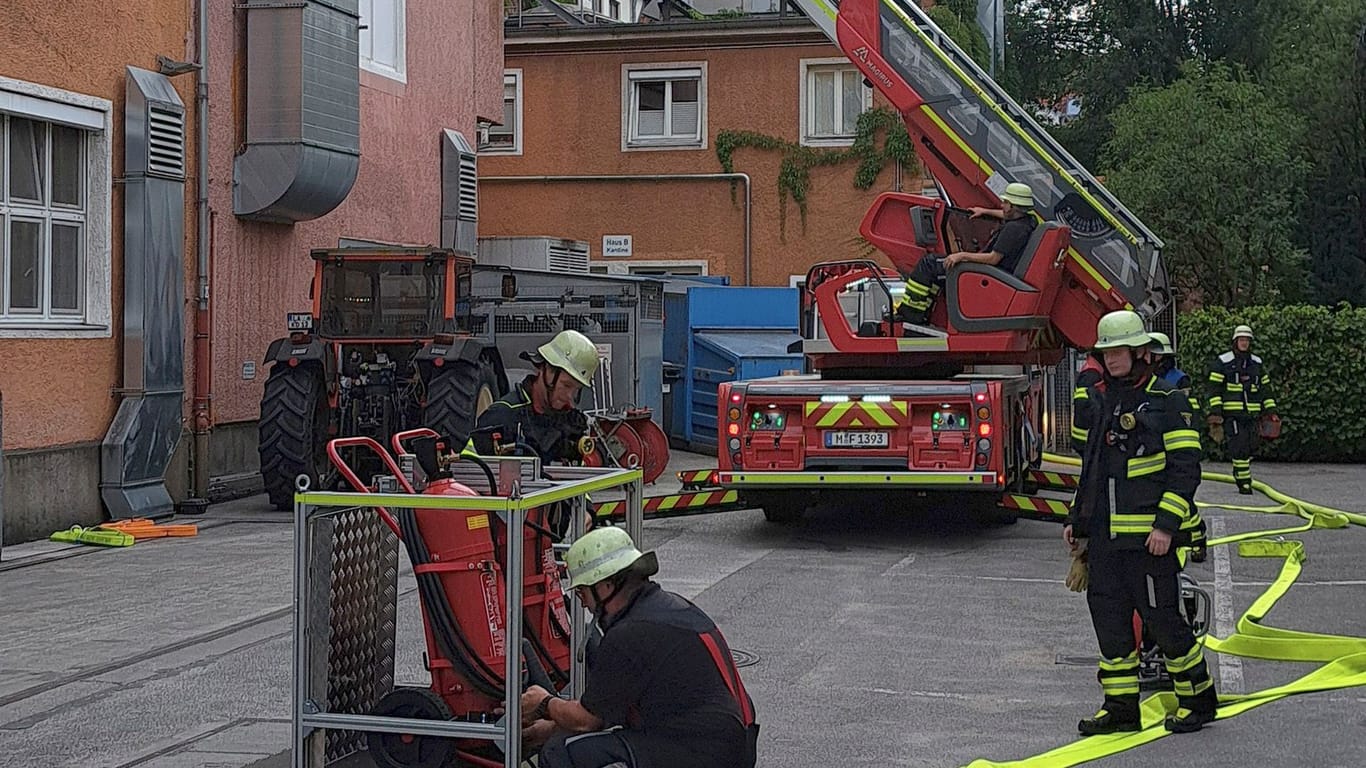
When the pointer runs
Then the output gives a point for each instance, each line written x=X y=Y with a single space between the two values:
x=974 y=139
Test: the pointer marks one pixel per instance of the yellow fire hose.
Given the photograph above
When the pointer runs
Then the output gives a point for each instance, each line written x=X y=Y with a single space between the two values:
x=1343 y=658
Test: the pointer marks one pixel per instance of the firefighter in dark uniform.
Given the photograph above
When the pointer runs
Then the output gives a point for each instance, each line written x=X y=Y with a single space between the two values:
x=1240 y=394
x=662 y=688
x=1003 y=251
x=540 y=412
x=1140 y=469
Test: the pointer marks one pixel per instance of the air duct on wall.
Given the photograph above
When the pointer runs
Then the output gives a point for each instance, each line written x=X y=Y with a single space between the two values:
x=146 y=429
x=303 y=110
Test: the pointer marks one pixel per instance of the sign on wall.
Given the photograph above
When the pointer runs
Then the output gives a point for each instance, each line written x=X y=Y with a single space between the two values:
x=616 y=246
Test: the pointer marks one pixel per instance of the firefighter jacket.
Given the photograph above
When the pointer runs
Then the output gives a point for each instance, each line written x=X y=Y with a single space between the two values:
x=553 y=436
x=1239 y=386
x=1140 y=464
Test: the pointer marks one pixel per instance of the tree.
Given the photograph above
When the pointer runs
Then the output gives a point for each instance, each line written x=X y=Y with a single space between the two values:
x=1214 y=164
x=958 y=20
x=1318 y=67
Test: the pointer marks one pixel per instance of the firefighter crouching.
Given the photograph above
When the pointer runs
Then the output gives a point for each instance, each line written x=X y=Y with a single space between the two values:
x=1240 y=395
x=1140 y=470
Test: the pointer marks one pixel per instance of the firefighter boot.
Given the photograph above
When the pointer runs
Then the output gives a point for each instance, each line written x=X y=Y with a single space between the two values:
x=904 y=313
x=1118 y=714
x=1193 y=713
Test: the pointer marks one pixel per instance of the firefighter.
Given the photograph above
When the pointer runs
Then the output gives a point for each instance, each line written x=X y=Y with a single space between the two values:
x=1164 y=362
x=541 y=412
x=1140 y=469
x=662 y=688
x=1240 y=394
x=1003 y=251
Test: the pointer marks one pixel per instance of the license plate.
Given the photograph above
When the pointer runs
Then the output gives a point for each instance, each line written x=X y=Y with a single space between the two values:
x=299 y=321
x=856 y=440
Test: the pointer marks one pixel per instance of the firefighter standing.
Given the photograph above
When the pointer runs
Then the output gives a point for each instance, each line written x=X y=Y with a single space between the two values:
x=1164 y=368
x=540 y=412
x=1240 y=394
x=1140 y=468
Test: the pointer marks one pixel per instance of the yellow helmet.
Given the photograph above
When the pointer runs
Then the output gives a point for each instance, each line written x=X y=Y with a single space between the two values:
x=1019 y=195
x=1163 y=342
x=573 y=353
x=603 y=553
x=1123 y=328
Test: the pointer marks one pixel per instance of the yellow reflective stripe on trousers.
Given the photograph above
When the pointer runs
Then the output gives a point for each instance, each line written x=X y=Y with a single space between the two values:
x=1147 y=465
x=1343 y=657
x=1080 y=434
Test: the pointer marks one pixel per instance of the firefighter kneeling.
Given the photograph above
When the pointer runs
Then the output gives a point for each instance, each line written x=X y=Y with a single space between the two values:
x=1140 y=468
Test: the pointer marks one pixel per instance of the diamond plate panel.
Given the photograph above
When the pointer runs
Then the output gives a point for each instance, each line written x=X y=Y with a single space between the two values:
x=362 y=607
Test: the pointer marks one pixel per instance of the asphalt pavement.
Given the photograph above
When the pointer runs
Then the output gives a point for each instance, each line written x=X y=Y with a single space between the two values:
x=873 y=634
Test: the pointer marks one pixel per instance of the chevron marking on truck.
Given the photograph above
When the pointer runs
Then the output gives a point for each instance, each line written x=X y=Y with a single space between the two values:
x=856 y=414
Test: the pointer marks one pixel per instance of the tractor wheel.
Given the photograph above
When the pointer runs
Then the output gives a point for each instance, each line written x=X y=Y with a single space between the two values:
x=782 y=507
x=292 y=431
x=405 y=750
x=456 y=395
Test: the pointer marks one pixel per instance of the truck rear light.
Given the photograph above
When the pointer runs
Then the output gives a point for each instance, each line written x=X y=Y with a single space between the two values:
x=984 y=413
x=735 y=457
x=981 y=459
x=984 y=429
x=735 y=398
x=734 y=414
x=981 y=397
x=733 y=429
x=984 y=445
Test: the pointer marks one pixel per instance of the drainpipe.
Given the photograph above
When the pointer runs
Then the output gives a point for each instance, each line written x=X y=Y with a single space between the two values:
x=744 y=177
x=203 y=352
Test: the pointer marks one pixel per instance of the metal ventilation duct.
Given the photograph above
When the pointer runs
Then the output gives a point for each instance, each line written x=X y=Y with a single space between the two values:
x=147 y=426
x=303 y=110
x=459 y=193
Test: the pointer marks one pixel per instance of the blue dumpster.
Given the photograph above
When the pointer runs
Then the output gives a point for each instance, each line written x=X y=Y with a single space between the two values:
x=714 y=335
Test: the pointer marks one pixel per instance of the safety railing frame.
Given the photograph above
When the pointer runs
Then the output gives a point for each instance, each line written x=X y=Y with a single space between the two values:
x=565 y=483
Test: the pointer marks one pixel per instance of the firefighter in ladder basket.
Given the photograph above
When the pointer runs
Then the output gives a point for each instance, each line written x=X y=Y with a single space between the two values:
x=662 y=690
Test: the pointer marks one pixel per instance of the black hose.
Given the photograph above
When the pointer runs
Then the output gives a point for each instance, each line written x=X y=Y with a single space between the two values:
x=455 y=646
x=488 y=473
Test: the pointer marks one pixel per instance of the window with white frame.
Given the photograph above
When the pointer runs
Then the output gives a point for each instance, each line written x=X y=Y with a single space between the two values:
x=832 y=98
x=665 y=106
x=507 y=138
x=383 y=38
x=44 y=216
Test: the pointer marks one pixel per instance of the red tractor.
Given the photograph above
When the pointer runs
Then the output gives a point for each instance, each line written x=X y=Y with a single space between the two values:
x=387 y=348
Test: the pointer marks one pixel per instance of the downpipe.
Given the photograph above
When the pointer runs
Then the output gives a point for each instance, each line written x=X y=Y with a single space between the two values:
x=743 y=177
x=202 y=417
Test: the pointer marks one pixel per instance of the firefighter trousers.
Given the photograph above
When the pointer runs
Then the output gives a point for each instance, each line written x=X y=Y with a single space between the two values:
x=1242 y=441
x=923 y=283
x=1125 y=580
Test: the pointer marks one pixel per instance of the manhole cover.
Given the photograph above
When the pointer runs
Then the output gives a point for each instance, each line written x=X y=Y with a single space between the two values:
x=744 y=658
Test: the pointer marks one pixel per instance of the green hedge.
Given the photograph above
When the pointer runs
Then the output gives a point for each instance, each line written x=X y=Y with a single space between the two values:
x=1316 y=358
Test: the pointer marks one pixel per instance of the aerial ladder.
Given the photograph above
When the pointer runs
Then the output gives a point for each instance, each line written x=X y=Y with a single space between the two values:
x=955 y=405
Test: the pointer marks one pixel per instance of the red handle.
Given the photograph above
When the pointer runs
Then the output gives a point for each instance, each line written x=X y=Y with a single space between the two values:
x=350 y=475
x=408 y=434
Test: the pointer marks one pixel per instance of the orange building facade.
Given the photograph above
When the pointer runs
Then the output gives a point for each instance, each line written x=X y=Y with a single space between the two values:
x=640 y=108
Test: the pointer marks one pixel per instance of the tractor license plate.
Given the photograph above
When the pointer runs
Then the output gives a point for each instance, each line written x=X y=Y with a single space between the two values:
x=299 y=321
x=856 y=440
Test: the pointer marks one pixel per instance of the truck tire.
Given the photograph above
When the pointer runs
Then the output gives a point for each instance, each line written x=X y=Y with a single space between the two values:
x=781 y=507
x=456 y=395
x=292 y=431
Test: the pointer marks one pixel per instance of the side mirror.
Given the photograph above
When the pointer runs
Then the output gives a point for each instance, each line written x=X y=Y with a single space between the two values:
x=509 y=287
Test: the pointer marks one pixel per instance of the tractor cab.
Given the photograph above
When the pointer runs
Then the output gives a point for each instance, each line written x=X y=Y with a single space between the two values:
x=401 y=294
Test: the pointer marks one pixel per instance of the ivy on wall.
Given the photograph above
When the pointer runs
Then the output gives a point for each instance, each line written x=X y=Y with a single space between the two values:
x=794 y=173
